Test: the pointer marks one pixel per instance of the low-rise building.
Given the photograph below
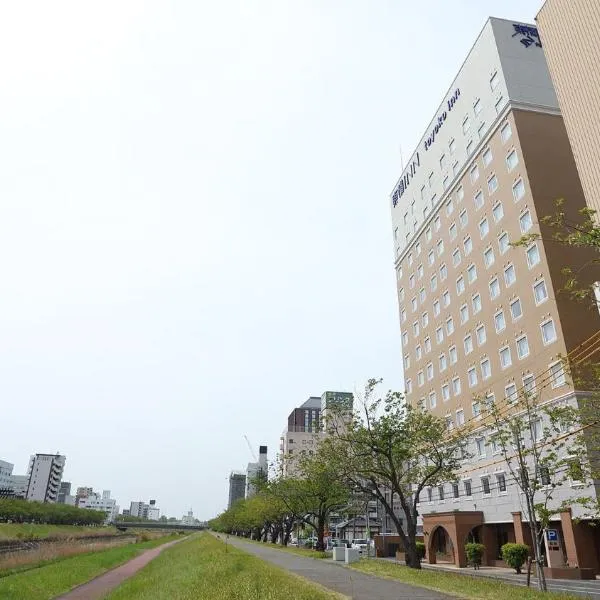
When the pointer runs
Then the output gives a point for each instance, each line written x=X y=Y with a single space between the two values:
x=102 y=502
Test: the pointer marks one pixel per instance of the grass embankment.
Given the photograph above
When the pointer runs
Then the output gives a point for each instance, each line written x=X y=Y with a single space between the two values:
x=203 y=567
x=463 y=586
x=61 y=575
x=308 y=552
x=14 y=531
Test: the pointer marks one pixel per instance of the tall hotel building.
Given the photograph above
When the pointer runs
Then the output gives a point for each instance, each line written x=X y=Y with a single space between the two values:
x=479 y=318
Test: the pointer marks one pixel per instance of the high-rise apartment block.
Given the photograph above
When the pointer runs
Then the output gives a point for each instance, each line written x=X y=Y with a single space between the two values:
x=237 y=488
x=482 y=320
x=45 y=474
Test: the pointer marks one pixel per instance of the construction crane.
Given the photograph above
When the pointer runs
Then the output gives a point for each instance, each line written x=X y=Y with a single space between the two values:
x=250 y=448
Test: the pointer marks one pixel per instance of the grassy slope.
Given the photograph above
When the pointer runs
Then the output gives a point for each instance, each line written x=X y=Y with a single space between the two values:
x=459 y=585
x=59 y=577
x=203 y=568
x=10 y=531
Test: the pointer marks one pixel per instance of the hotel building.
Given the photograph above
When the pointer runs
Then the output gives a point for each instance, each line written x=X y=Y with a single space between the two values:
x=481 y=320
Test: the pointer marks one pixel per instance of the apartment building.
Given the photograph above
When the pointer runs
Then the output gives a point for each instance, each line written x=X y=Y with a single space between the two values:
x=237 y=488
x=569 y=34
x=45 y=474
x=101 y=502
x=480 y=319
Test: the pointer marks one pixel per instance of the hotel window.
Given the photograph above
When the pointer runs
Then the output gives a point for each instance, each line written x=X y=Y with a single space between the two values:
x=436 y=308
x=557 y=374
x=480 y=444
x=485 y=484
x=411 y=281
x=405 y=218
x=509 y=275
x=437 y=223
x=446 y=299
x=429 y=371
x=529 y=384
x=468 y=491
x=460 y=285
x=512 y=160
x=427 y=343
x=400 y=272
x=420 y=271
x=474 y=173
x=455 y=168
x=478 y=200
x=525 y=222
x=494 y=81
x=460 y=194
x=533 y=255
x=425 y=319
x=430 y=179
x=505 y=132
x=413 y=304
x=449 y=325
x=518 y=190
x=499 y=104
x=439 y=335
x=481 y=131
x=416 y=328
x=510 y=392
x=481 y=336
x=540 y=292
x=443 y=272
x=469 y=148
x=452 y=146
x=431 y=257
x=516 y=311
x=494 y=286
x=466 y=125
x=499 y=321
x=453 y=231
x=471 y=273
x=420 y=379
x=486 y=369
x=403 y=315
x=476 y=303
x=449 y=424
x=468 y=245
x=456 y=256
x=410 y=259
x=452 y=355
x=418 y=248
x=418 y=352
x=468 y=343
x=548 y=331
x=445 y=392
x=432 y=400
x=492 y=184
x=440 y=247
x=472 y=377
x=464 y=314
x=498 y=212
x=464 y=218
x=487 y=157
x=409 y=386
x=433 y=282
x=428 y=234
x=445 y=182
x=503 y=243
x=442 y=161
x=522 y=347
x=477 y=107
x=484 y=228
x=505 y=357
x=401 y=294
x=488 y=257
x=422 y=295
x=456 y=386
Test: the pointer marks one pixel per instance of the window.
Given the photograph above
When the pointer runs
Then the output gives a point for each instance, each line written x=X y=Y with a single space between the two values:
x=466 y=125
x=481 y=131
x=499 y=104
x=548 y=331
x=443 y=272
x=516 y=312
x=453 y=231
x=505 y=132
x=540 y=292
x=405 y=218
x=436 y=308
x=422 y=295
x=474 y=173
x=464 y=314
x=503 y=243
x=522 y=347
x=429 y=494
x=428 y=230
x=486 y=368
x=469 y=148
x=498 y=212
x=450 y=326
x=440 y=247
x=416 y=328
x=431 y=257
x=413 y=303
x=452 y=146
x=404 y=338
x=433 y=283
x=460 y=194
x=488 y=258
x=477 y=107
x=468 y=491
x=441 y=492
x=512 y=160
x=456 y=386
x=525 y=222
x=464 y=218
x=446 y=298
x=518 y=189
x=510 y=392
x=429 y=371
x=494 y=286
x=480 y=443
x=545 y=476
x=432 y=400
x=505 y=357
x=439 y=335
x=430 y=179
x=484 y=228
x=445 y=392
x=537 y=430
x=468 y=343
x=501 y=482
x=456 y=255
x=481 y=336
x=449 y=207
x=460 y=417
x=472 y=377
x=401 y=294
x=418 y=352
x=476 y=303
x=471 y=273
x=485 y=484
x=442 y=161
x=557 y=374
x=487 y=157
x=475 y=406
x=509 y=275
x=411 y=281
x=494 y=81
x=468 y=245
x=492 y=184
x=478 y=200
x=452 y=355
x=420 y=378
x=403 y=315
x=529 y=384
x=408 y=386
x=499 y=321
x=427 y=344
x=455 y=492
x=533 y=256
x=420 y=271
x=455 y=168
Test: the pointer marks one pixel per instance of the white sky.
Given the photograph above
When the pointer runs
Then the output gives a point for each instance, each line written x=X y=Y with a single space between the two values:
x=195 y=226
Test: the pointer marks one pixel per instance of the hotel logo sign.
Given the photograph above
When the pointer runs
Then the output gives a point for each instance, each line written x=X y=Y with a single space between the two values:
x=528 y=35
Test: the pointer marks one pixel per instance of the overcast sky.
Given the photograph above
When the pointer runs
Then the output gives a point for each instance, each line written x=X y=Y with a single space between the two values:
x=195 y=228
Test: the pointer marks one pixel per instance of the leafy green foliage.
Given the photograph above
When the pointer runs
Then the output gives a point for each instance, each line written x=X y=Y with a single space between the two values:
x=474 y=553
x=515 y=555
x=24 y=511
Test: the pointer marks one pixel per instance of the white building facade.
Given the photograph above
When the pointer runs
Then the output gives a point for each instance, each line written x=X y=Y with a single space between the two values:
x=45 y=474
x=101 y=502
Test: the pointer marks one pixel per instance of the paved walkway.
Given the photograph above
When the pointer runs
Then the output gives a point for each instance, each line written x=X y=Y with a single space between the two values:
x=351 y=583
x=100 y=586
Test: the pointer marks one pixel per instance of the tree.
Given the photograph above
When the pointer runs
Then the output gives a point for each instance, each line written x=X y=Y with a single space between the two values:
x=387 y=446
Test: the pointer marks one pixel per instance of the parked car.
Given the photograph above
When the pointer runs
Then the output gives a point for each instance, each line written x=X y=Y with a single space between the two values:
x=361 y=544
x=345 y=543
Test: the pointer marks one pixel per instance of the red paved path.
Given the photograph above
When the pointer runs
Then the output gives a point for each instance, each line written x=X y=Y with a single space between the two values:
x=100 y=586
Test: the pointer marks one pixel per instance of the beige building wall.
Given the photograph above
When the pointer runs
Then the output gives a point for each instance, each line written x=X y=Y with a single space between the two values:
x=569 y=33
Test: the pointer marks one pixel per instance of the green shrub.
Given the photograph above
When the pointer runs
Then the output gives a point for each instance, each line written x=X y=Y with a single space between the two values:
x=143 y=537
x=421 y=550
x=474 y=553
x=514 y=555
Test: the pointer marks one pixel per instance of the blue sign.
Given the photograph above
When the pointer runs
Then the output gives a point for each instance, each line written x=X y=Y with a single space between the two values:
x=529 y=35
x=441 y=119
x=552 y=535
x=406 y=179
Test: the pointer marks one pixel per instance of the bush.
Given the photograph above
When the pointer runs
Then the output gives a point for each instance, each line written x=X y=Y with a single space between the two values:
x=514 y=555
x=474 y=554
x=421 y=550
